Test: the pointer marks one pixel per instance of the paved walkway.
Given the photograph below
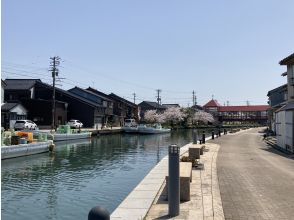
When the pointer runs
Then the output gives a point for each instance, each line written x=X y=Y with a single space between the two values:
x=205 y=200
x=255 y=180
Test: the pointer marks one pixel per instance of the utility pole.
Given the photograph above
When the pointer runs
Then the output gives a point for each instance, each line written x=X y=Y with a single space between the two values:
x=158 y=98
x=134 y=94
x=228 y=103
x=55 y=61
x=193 y=99
x=248 y=103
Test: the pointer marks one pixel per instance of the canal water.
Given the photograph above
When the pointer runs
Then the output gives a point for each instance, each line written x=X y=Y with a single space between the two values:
x=67 y=183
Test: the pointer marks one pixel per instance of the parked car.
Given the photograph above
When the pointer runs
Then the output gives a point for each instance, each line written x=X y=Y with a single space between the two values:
x=25 y=124
x=75 y=123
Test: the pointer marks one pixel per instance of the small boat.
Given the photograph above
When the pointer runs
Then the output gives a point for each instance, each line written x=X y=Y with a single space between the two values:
x=64 y=133
x=75 y=136
x=20 y=150
x=152 y=129
x=130 y=126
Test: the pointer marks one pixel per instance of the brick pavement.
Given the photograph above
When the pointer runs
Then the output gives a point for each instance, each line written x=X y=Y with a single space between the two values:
x=205 y=203
x=255 y=180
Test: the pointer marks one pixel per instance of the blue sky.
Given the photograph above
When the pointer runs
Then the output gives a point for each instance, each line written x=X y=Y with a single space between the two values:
x=227 y=48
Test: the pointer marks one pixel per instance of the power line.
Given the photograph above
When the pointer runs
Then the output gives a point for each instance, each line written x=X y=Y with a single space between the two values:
x=119 y=80
x=24 y=66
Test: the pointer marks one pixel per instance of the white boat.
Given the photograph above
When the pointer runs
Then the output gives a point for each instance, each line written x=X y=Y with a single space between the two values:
x=130 y=126
x=75 y=136
x=20 y=150
x=63 y=135
x=152 y=129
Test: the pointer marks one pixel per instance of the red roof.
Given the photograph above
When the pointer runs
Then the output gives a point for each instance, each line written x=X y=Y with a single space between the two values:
x=249 y=108
x=212 y=103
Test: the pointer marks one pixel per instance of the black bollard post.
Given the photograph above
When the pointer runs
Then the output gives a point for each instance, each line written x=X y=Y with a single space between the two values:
x=174 y=180
x=212 y=135
x=219 y=133
x=98 y=213
x=203 y=137
x=225 y=131
x=194 y=136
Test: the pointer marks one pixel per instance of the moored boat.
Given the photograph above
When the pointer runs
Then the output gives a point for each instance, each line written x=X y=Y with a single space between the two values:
x=152 y=129
x=130 y=126
x=20 y=150
x=75 y=136
x=64 y=133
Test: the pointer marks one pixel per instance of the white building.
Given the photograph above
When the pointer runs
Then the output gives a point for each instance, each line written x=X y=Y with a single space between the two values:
x=285 y=115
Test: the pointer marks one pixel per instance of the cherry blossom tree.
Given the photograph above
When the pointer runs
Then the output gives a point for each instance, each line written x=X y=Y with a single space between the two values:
x=173 y=115
x=203 y=117
x=150 y=116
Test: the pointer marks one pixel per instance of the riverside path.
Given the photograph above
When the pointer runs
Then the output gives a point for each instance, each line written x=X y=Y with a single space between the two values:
x=255 y=180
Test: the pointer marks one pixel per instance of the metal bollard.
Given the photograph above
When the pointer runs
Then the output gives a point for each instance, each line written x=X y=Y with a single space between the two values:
x=212 y=135
x=98 y=213
x=225 y=131
x=194 y=136
x=174 y=180
x=203 y=137
x=219 y=133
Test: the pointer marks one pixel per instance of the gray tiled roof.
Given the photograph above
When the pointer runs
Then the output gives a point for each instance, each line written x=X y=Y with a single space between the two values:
x=20 y=84
x=286 y=60
x=152 y=104
x=114 y=96
x=280 y=88
x=93 y=92
x=170 y=105
x=8 y=106
x=72 y=95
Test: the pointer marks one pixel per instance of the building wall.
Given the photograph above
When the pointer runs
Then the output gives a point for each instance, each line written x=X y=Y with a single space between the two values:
x=289 y=138
x=40 y=111
x=15 y=95
x=19 y=112
x=278 y=97
x=290 y=79
x=76 y=109
x=281 y=128
x=2 y=94
x=284 y=130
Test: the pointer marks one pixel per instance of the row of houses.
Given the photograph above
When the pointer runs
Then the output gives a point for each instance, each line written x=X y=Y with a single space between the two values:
x=281 y=112
x=32 y=99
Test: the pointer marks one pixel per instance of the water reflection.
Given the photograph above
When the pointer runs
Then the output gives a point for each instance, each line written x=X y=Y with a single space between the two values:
x=66 y=183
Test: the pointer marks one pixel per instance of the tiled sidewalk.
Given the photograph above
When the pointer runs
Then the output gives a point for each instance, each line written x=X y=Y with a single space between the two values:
x=205 y=200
